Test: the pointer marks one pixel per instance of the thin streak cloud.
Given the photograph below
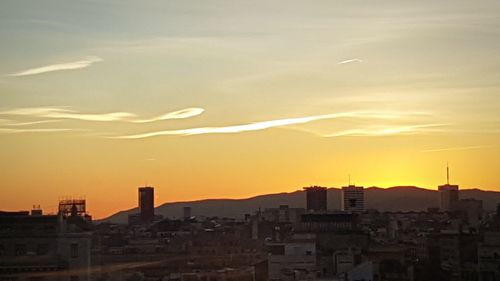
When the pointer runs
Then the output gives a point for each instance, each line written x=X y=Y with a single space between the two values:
x=58 y=67
x=48 y=130
x=266 y=124
x=65 y=113
x=32 y=123
x=455 y=148
x=387 y=131
x=180 y=114
x=350 y=61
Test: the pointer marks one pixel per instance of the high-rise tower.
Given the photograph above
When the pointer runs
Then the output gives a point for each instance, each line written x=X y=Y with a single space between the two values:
x=316 y=198
x=146 y=203
x=353 y=199
x=448 y=194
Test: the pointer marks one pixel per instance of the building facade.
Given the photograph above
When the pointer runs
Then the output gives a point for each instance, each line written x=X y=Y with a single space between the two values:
x=146 y=204
x=353 y=199
x=316 y=198
x=448 y=196
x=43 y=248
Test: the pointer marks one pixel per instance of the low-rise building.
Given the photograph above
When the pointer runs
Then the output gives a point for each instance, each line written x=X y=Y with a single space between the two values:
x=44 y=247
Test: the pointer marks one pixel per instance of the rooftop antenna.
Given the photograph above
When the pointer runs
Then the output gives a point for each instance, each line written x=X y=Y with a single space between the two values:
x=447 y=174
x=349 y=179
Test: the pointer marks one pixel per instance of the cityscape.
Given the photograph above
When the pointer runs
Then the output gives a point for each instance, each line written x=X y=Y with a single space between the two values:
x=457 y=239
x=236 y=140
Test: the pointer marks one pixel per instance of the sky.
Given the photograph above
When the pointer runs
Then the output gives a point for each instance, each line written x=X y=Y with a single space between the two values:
x=231 y=99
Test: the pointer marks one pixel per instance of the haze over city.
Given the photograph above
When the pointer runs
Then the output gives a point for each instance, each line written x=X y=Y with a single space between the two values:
x=232 y=140
x=234 y=99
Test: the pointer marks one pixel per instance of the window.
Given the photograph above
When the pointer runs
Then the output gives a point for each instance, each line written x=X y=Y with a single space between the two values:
x=352 y=203
x=42 y=249
x=74 y=250
x=278 y=250
x=20 y=249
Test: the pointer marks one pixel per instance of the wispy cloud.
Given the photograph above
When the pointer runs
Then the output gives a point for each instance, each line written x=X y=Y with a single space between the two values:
x=180 y=114
x=268 y=124
x=65 y=113
x=36 y=130
x=349 y=61
x=31 y=123
x=386 y=131
x=455 y=148
x=58 y=67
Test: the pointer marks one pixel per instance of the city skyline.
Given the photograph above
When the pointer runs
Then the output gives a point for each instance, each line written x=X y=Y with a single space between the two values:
x=236 y=99
x=55 y=209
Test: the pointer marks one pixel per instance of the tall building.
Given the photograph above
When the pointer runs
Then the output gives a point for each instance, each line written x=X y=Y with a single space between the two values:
x=353 y=199
x=186 y=212
x=146 y=203
x=316 y=198
x=448 y=194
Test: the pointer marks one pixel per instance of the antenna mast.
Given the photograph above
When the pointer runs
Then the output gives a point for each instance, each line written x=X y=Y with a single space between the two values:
x=447 y=174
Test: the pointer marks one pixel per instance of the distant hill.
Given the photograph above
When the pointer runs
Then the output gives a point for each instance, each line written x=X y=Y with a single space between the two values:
x=403 y=198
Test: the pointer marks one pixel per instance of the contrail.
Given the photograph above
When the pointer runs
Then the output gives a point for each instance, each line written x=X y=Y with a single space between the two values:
x=48 y=130
x=65 y=113
x=266 y=124
x=349 y=61
x=455 y=148
x=58 y=67
x=411 y=129
x=180 y=114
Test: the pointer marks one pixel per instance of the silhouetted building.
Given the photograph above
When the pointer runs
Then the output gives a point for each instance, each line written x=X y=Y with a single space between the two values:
x=458 y=255
x=75 y=207
x=353 y=199
x=389 y=263
x=326 y=222
x=316 y=198
x=448 y=194
x=498 y=211
x=43 y=247
x=470 y=209
x=146 y=204
x=489 y=257
x=36 y=210
x=283 y=214
x=186 y=212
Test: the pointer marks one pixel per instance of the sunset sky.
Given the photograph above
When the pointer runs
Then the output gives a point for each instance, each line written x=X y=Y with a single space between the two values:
x=230 y=99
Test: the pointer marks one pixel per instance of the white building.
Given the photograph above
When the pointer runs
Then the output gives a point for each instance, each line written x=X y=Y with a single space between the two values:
x=295 y=260
x=353 y=199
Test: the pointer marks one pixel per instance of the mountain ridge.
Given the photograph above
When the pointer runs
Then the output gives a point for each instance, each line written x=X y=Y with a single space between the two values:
x=396 y=198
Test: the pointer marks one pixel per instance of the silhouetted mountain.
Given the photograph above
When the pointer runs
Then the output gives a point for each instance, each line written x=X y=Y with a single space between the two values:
x=399 y=198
